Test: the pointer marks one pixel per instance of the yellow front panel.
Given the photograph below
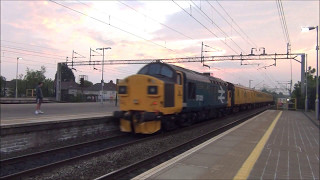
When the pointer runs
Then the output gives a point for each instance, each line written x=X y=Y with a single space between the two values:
x=125 y=125
x=137 y=97
x=149 y=127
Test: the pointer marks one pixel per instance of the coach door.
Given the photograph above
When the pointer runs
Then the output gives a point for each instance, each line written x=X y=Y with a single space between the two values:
x=179 y=90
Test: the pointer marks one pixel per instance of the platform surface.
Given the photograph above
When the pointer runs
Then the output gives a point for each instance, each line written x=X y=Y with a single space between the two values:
x=264 y=147
x=15 y=114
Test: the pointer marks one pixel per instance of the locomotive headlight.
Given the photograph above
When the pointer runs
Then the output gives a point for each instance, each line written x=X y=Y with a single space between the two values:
x=152 y=90
x=122 y=90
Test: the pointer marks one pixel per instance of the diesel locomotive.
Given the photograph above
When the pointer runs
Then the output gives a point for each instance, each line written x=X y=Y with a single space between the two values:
x=165 y=96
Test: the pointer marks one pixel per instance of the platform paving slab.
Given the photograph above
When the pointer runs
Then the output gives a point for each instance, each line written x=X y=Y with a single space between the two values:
x=291 y=152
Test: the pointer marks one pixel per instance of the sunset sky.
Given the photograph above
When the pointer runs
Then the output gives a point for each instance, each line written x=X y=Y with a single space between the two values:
x=46 y=32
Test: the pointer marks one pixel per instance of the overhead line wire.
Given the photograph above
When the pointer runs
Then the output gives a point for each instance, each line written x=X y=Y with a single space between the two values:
x=31 y=51
x=24 y=59
x=237 y=24
x=230 y=24
x=28 y=44
x=22 y=62
x=15 y=52
x=157 y=21
x=223 y=32
x=205 y=27
x=79 y=12
x=284 y=21
x=104 y=12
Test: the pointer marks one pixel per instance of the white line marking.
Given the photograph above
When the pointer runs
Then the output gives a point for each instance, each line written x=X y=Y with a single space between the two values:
x=299 y=165
x=170 y=162
x=295 y=141
x=317 y=156
x=275 y=138
x=302 y=125
x=288 y=132
x=310 y=167
x=312 y=134
x=282 y=136
x=288 y=172
x=41 y=117
x=264 y=169
x=275 y=172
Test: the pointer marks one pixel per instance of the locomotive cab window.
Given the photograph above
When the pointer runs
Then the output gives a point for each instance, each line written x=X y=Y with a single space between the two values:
x=157 y=69
x=165 y=71
x=144 y=70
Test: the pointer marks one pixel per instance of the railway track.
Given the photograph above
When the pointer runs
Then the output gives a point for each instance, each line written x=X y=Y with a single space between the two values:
x=135 y=169
x=118 y=172
x=29 y=164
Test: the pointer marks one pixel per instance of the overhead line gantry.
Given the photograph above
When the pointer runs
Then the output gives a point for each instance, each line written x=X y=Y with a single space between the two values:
x=241 y=57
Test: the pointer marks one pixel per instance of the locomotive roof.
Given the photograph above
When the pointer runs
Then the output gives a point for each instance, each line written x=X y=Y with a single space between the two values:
x=190 y=74
x=243 y=87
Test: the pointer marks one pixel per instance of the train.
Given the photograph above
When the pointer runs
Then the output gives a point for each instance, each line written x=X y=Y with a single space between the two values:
x=164 y=96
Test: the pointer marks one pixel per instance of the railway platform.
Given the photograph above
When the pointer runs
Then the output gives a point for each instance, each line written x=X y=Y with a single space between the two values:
x=23 y=114
x=273 y=145
x=62 y=124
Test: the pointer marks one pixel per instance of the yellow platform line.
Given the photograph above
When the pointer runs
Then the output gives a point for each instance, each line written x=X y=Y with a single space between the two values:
x=247 y=166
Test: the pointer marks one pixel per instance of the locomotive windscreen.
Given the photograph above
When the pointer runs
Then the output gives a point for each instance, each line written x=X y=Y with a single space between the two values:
x=158 y=70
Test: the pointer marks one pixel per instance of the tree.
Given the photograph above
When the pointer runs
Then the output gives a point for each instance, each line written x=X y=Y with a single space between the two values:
x=87 y=83
x=66 y=73
x=2 y=85
x=21 y=86
x=48 y=88
x=33 y=77
x=296 y=93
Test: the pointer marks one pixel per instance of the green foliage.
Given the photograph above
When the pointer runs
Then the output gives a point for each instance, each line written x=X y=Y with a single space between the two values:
x=87 y=83
x=33 y=77
x=274 y=94
x=2 y=85
x=31 y=80
x=296 y=93
x=66 y=73
x=48 y=88
x=21 y=86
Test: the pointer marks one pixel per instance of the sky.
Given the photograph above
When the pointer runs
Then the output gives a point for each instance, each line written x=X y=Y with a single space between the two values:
x=46 y=32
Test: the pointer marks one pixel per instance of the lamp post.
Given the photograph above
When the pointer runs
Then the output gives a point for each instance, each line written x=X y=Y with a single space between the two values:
x=102 y=64
x=306 y=98
x=317 y=78
x=17 y=77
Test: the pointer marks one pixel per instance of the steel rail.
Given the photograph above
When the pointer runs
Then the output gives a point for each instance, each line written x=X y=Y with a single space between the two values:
x=121 y=173
x=38 y=170
x=30 y=156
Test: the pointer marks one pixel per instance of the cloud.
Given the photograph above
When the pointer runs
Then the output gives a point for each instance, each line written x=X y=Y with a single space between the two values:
x=47 y=24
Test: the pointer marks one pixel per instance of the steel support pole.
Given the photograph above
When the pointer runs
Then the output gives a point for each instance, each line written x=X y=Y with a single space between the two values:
x=58 y=83
x=17 y=79
x=102 y=82
x=306 y=98
x=317 y=83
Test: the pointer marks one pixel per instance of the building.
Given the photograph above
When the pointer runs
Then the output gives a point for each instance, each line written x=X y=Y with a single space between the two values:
x=71 y=91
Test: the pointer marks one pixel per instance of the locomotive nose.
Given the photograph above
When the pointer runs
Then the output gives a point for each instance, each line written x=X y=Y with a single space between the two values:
x=140 y=93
